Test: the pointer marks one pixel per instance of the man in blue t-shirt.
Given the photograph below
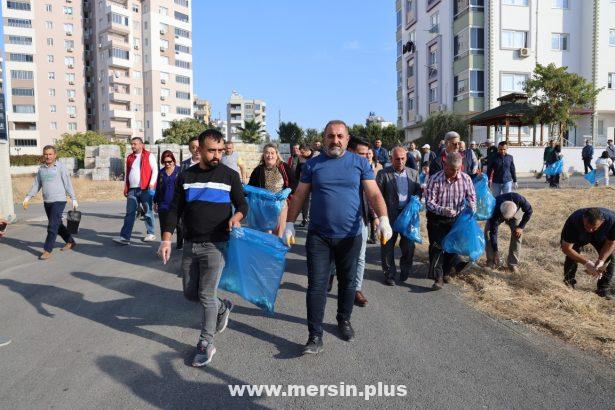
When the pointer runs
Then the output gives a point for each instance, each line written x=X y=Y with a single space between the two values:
x=595 y=226
x=334 y=232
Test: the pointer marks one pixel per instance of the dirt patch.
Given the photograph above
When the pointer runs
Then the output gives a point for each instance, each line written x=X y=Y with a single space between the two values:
x=536 y=295
x=85 y=189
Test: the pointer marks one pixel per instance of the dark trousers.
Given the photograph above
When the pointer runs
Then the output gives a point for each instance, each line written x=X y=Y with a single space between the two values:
x=440 y=262
x=553 y=180
x=321 y=254
x=387 y=256
x=162 y=219
x=612 y=167
x=55 y=226
x=570 y=267
x=587 y=165
x=305 y=209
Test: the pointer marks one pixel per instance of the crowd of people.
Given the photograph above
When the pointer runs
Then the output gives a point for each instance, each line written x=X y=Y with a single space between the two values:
x=348 y=193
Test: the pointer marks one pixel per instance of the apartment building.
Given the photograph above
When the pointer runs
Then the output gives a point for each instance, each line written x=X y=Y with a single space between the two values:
x=202 y=110
x=7 y=209
x=119 y=67
x=3 y=133
x=238 y=110
x=462 y=55
x=221 y=125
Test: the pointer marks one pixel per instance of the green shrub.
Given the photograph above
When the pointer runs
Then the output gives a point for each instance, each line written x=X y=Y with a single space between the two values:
x=25 y=160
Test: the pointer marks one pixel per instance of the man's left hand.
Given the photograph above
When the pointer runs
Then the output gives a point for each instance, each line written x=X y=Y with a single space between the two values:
x=518 y=232
x=234 y=222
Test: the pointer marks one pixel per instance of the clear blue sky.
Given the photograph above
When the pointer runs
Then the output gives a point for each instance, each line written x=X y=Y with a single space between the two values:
x=313 y=60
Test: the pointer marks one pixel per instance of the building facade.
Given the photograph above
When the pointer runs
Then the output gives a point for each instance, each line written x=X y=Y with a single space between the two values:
x=119 y=67
x=202 y=110
x=461 y=55
x=3 y=133
x=238 y=110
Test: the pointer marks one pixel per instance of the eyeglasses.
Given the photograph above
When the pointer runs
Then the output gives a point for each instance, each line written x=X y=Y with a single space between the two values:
x=167 y=162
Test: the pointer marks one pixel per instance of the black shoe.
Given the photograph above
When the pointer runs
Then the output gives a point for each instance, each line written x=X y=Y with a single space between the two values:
x=330 y=285
x=346 y=330
x=570 y=283
x=388 y=280
x=438 y=284
x=313 y=345
x=403 y=276
x=446 y=279
x=604 y=293
x=179 y=247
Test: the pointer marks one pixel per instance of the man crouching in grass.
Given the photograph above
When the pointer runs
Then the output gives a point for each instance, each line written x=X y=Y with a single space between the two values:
x=595 y=226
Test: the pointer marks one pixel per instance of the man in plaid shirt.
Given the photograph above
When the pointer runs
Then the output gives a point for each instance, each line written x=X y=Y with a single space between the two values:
x=448 y=192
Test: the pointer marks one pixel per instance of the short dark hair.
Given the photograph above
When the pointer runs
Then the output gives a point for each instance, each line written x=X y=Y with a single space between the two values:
x=336 y=122
x=593 y=215
x=193 y=138
x=228 y=142
x=137 y=138
x=355 y=142
x=212 y=135
x=303 y=147
x=502 y=143
x=167 y=154
x=46 y=147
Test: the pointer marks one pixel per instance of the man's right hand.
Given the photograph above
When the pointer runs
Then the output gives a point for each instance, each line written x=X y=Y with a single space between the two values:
x=450 y=212
x=289 y=234
x=26 y=203
x=590 y=268
x=164 y=251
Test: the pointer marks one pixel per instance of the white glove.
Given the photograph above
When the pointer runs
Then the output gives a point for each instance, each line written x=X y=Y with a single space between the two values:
x=289 y=233
x=590 y=268
x=384 y=230
x=164 y=251
x=516 y=185
x=75 y=204
x=26 y=202
x=599 y=266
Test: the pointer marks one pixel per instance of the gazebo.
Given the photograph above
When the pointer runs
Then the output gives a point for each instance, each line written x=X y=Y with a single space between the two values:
x=514 y=110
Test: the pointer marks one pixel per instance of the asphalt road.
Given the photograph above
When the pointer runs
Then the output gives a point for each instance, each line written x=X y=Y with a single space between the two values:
x=107 y=327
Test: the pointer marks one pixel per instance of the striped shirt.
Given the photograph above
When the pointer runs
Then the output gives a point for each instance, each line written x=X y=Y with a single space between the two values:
x=444 y=193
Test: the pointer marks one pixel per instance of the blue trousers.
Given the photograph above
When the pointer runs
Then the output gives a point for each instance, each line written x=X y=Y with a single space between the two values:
x=135 y=197
x=321 y=254
x=55 y=226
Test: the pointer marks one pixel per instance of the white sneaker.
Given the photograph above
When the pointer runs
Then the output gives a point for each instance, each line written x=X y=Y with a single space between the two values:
x=149 y=238
x=121 y=240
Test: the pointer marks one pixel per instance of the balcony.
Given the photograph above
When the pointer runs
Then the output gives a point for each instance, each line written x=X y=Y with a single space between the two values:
x=122 y=114
x=119 y=62
x=410 y=82
x=119 y=97
x=119 y=80
x=118 y=28
x=121 y=130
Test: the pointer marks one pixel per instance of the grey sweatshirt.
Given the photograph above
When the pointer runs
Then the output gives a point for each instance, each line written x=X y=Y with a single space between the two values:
x=54 y=181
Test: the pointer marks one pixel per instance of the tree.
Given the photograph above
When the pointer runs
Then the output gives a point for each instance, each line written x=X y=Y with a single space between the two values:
x=311 y=136
x=73 y=145
x=290 y=133
x=437 y=125
x=556 y=92
x=252 y=132
x=180 y=131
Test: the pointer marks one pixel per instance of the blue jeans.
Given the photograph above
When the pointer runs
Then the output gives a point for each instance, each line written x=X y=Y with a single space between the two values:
x=504 y=188
x=55 y=226
x=135 y=197
x=321 y=253
x=358 y=282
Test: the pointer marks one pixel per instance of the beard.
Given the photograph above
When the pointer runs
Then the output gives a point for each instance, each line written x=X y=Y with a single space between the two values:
x=335 y=151
x=212 y=164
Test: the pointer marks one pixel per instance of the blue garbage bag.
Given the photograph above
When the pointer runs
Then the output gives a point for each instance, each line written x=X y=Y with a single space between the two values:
x=591 y=177
x=264 y=207
x=254 y=267
x=408 y=222
x=422 y=178
x=485 y=201
x=465 y=238
x=555 y=168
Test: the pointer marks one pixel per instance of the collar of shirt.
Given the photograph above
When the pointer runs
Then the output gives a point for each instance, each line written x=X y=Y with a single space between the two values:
x=402 y=173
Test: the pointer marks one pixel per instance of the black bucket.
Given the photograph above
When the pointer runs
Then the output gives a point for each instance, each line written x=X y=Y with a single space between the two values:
x=73 y=218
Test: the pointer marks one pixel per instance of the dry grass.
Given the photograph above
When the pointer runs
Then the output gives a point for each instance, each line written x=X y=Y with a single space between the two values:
x=86 y=190
x=536 y=295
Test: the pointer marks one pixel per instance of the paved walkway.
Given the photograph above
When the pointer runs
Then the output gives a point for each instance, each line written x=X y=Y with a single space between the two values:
x=108 y=327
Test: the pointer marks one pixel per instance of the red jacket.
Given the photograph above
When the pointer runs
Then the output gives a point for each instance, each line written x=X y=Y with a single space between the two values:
x=146 y=170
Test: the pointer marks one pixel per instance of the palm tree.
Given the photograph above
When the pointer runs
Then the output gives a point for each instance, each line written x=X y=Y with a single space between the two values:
x=252 y=132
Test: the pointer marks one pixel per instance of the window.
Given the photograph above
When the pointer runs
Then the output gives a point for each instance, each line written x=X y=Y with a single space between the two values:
x=398 y=18
x=410 y=16
x=433 y=92
x=515 y=2
x=411 y=102
x=138 y=107
x=164 y=76
x=135 y=8
x=53 y=108
x=70 y=77
x=23 y=109
x=52 y=92
x=611 y=81
x=138 y=91
x=51 y=75
x=71 y=93
x=184 y=3
x=459 y=6
x=68 y=28
x=20 y=142
x=469 y=41
x=53 y=125
x=410 y=69
x=48 y=8
x=71 y=110
x=469 y=83
x=22 y=75
x=69 y=43
x=72 y=126
x=182 y=110
x=49 y=25
x=182 y=49
x=163 y=10
x=18 y=5
x=182 y=95
x=180 y=32
x=21 y=23
x=24 y=58
x=165 y=109
x=559 y=41
x=514 y=39
x=69 y=61
x=118 y=19
x=611 y=38
x=20 y=40
x=434 y=19
x=513 y=82
x=165 y=92
x=164 y=43
x=50 y=58
x=49 y=41
x=23 y=92
x=68 y=10
x=181 y=17
x=182 y=79
x=165 y=60
x=163 y=28
x=119 y=53
x=137 y=74
x=560 y=4
x=399 y=48
x=182 y=64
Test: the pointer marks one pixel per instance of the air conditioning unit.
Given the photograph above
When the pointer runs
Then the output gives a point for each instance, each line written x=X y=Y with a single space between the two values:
x=99 y=45
x=136 y=46
x=73 y=115
x=164 y=114
x=162 y=97
x=162 y=48
x=69 y=49
x=434 y=29
x=69 y=33
x=163 y=32
x=71 y=66
x=163 y=81
x=71 y=99
x=524 y=52
x=117 y=75
x=71 y=82
x=69 y=1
